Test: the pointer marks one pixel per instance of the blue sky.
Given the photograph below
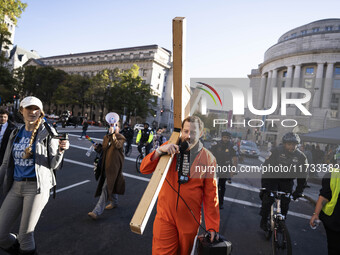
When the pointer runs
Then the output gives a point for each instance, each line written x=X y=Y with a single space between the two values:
x=224 y=38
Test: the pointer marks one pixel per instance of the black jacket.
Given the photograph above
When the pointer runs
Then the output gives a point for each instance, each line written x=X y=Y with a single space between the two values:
x=11 y=126
x=224 y=153
x=286 y=166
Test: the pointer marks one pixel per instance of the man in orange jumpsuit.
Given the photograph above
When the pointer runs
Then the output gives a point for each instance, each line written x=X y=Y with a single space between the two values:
x=175 y=228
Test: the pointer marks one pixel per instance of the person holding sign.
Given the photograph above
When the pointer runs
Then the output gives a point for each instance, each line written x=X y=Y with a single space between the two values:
x=26 y=176
x=186 y=187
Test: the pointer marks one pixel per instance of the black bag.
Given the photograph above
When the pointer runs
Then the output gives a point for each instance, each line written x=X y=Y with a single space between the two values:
x=97 y=166
x=217 y=247
x=49 y=137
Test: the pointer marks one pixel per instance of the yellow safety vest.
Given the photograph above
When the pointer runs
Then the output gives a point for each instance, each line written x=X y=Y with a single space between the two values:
x=335 y=187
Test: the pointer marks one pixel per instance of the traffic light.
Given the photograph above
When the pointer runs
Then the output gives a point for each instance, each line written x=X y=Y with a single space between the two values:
x=14 y=96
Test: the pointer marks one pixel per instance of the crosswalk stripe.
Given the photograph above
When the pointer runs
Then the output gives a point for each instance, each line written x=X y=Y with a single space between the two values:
x=232 y=200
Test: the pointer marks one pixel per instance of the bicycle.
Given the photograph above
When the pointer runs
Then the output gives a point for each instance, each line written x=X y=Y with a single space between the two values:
x=277 y=229
x=125 y=149
x=140 y=158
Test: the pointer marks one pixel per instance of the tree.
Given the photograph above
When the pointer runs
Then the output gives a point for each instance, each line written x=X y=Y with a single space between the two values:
x=131 y=95
x=42 y=82
x=6 y=85
x=100 y=89
x=75 y=89
x=13 y=10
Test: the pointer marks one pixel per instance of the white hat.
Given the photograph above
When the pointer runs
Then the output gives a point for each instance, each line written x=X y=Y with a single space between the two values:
x=28 y=101
x=112 y=118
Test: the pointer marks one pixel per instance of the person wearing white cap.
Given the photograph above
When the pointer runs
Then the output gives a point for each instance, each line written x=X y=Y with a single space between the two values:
x=111 y=181
x=26 y=176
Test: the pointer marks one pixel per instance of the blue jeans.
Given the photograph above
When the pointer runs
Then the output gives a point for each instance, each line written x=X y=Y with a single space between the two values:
x=83 y=134
x=21 y=199
x=100 y=206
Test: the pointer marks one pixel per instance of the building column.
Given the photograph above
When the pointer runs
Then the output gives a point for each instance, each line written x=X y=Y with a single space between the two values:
x=338 y=115
x=318 y=85
x=291 y=110
x=271 y=84
x=260 y=102
x=297 y=74
x=289 y=76
x=268 y=89
x=327 y=90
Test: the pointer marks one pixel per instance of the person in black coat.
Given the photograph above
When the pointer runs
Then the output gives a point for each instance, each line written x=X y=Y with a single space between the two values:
x=6 y=128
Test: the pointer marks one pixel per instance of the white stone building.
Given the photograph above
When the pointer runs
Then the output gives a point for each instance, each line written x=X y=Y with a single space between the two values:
x=11 y=28
x=19 y=56
x=155 y=65
x=307 y=57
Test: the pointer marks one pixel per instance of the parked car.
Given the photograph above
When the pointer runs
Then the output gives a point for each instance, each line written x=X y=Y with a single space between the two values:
x=94 y=123
x=67 y=119
x=138 y=127
x=52 y=116
x=249 y=148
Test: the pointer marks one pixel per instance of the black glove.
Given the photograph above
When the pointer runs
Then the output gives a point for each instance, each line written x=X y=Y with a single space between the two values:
x=296 y=195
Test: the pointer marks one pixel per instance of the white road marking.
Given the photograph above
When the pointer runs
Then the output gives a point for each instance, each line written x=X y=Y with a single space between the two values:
x=243 y=186
x=86 y=148
x=91 y=166
x=232 y=200
x=80 y=130
x=242 y=202
x=71 y=186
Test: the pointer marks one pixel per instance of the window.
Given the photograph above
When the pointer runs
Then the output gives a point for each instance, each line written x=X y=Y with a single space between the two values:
x=165 y=78
x=163 y=88
x=283 y=84
x=143 y=82
x=159 y=75
x=316 y=29
x=293 y=35
x=336 y=84
x=145 y=72
x=308 y=83
x=303 y=32
x=158 y=86
x=309 y=70
x=284 y=74
x=337 y=70
x=328 y=28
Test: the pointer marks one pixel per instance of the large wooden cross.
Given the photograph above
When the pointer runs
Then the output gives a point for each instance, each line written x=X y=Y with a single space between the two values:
x=146 y=204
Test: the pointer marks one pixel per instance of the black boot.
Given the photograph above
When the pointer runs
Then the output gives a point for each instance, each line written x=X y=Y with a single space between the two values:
x=14 y=249
x=33 y=252
x=264 y=224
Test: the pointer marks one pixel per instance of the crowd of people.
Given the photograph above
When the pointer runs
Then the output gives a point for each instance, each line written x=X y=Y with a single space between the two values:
x=26 y=179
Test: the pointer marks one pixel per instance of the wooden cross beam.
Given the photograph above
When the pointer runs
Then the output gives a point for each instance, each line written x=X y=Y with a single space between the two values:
x=148 y=200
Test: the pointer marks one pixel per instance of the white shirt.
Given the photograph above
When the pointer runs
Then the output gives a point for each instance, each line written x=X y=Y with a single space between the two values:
x=3 y=130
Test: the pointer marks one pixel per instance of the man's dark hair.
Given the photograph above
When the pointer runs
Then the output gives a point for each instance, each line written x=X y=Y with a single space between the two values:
x=4 y=111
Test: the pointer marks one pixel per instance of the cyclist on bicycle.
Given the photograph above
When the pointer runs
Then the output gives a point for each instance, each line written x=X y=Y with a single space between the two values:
x=285 y=156
x=145 y=138
x=127 y=132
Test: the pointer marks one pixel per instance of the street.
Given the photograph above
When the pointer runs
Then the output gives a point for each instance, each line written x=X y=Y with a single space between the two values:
x=65 y=228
